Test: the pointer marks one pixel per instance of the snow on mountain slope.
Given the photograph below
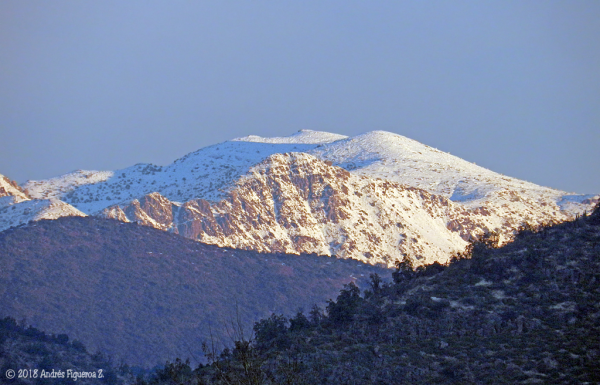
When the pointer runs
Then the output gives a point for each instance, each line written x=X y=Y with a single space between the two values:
x=302 y=136
x=207 y=173
x=17 y=207
x=13 y=213
x=393 y=157
x=61 y=185
x=211 y=171
x=296 y=203
x=11 y=188
x=205 y=196
x=577 y=203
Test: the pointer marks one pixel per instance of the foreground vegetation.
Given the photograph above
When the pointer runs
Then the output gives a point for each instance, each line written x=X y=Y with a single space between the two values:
x=143 y=295
x=525 y=313
x=29 y=351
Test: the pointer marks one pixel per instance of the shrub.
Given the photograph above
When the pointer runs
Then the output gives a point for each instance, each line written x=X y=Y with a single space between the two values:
x=271 y=331
x=342 y=311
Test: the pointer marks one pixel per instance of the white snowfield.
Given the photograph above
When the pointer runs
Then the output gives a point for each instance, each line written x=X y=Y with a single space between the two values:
x=302 y=136
x=17 y=207
x=398 y=196
x=58 y=186
x=10 y=188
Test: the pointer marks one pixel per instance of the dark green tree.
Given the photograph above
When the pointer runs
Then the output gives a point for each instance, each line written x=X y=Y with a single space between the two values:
x=271 y=331
x=299 y=322
x=341 y=311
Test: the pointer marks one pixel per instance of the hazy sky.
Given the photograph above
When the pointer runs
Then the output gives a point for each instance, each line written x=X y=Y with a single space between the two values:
x=513 y=86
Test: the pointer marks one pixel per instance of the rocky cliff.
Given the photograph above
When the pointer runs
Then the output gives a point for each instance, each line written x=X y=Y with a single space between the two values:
x=296 y=203
x=17 y=207
x=374 y=197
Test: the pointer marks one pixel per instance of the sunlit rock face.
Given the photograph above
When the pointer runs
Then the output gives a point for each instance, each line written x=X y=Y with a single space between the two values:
x=296 y=203
x=17 y=207
x=375 y=197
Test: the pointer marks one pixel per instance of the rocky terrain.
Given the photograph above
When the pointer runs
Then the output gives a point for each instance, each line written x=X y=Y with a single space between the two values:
x=526 y=313
x=18 y=208
x=296 y=203
x=11 y=188
x=374 y=197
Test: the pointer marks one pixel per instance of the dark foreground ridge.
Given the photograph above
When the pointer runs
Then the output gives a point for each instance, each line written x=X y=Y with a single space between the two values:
x=145 y=296
x=522 y=314
x=30 y=356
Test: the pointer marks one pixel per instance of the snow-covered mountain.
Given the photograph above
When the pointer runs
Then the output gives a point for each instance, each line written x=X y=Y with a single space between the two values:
x=17 y=207
x=296 y=203
x=207 y=173
x=11 y=188
x=372 y=197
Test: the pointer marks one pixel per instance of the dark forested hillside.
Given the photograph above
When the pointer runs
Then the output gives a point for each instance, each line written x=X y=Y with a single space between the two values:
x=525 y=313
x=30 y=356
x=146 y=296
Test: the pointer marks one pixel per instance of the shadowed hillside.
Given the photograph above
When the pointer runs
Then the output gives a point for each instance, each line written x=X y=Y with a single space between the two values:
x=29 y=356
x=144 y=295
x=526 y=313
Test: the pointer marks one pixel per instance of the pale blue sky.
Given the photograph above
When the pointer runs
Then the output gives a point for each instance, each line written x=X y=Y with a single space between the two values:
x=513 y=86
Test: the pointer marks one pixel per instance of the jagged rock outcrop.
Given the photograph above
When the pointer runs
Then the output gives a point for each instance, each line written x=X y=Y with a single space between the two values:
x=11 y=188
x=374 y=197
x=17 y=207
x=296 y=203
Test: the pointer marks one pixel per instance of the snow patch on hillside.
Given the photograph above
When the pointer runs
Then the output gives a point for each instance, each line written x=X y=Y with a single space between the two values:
x=390 y=156
x=10 y=188
x=576 y=203
x=208 y=173
x=15 y=214
x=302 y=136
x=463 y=192
x=6 y=201
x=59 y=186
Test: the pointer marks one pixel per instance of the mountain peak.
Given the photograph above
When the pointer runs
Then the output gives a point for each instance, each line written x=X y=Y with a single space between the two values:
x=300 y=137
x=11 y=188
x=57 y=186
x=368 y=196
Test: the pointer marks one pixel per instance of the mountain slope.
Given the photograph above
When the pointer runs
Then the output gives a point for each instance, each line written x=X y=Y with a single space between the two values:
x=15 y=214
x=147 y=296
x=206 y=173
x=296 y=203
x=393 y=157
x=39 y=355
x=196 y=196
x=526 y=313
x=17 y=207
x=11 y=188
x=209 y=172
